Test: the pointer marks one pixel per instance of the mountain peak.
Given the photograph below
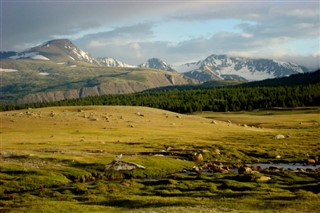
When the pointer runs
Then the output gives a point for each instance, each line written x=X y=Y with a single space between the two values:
x=59 y=41
x=225 y=67
x=111 y=62
x=157 y=63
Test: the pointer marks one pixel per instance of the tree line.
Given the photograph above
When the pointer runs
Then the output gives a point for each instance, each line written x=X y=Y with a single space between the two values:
x=202 y=99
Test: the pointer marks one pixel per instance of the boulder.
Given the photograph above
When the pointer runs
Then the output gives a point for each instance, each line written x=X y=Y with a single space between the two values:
x=197 y=157
x=244 y=169
x=277 y=137
x=311 y=161
x=264 y=178
x=118 y=165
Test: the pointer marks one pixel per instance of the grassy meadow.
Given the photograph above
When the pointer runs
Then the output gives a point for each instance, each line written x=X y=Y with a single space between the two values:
x=53 y=160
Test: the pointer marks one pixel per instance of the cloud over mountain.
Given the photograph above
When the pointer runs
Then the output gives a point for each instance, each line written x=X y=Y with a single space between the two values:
x=134 y=30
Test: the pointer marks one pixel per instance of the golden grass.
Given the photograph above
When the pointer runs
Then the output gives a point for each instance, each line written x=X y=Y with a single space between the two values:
x=41 y=149
x=77 y=130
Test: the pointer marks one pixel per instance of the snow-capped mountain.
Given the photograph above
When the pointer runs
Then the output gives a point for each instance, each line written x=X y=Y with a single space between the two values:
x=157 y=63
x=219 y=67
x=61 y=50
x=111 y=62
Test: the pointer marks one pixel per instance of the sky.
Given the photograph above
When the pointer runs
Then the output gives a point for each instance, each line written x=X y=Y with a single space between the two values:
x=175 y=31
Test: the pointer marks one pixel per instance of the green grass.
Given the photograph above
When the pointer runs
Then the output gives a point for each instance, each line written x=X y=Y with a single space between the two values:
x=59 y=160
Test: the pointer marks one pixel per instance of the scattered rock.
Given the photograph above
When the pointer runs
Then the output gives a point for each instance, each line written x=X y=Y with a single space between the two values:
x=52 y=114
x=244 y=169
x=197 y=157
x=138 y=113
x=278 y=157
x=277 y=137
x=217 y=151
x=264 y=178
x=311 y=161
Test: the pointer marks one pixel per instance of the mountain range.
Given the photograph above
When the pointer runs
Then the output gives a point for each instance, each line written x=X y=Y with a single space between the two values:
x=214 y=67
x=223 y=67
x=61 y=68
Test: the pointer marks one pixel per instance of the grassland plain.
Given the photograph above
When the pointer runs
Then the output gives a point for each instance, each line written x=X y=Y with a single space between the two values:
x=53 y=160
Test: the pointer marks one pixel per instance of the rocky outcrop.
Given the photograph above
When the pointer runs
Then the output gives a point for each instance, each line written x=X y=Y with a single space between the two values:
x=102 y=89
x=118 y=165
x=153 y=80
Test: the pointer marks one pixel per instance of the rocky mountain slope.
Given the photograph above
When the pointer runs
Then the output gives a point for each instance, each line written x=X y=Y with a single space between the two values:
x=156 y=63
x=61 y=50
x=111 y=62
x=151 y=79
x=217 y=67
x=58 y=70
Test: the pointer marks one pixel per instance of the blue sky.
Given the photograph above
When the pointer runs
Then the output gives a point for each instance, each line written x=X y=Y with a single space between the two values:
x=175 y=31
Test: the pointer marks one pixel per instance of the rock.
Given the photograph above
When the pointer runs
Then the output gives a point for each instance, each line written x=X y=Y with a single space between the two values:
x=138 y=113
x=264 y=178
x=118 y=165
x=278 y=157
x=217 y=151
x=311 y=161
x=244 y=169
x=197 y=157
x=197 y=169
x=277 y=137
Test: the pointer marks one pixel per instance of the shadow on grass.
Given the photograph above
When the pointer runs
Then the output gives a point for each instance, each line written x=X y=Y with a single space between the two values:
x=89 y=166
x=283 y=198
x=127 y=203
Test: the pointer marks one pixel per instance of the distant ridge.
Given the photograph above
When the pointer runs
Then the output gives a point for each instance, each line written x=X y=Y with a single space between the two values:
x=296 y=79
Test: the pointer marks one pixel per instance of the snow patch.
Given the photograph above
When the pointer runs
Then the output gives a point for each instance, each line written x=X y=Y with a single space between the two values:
x=40 y=57
x=111 y=62
x=31 y=55
x=187 y=67
x=44 y=73
x=7 y=70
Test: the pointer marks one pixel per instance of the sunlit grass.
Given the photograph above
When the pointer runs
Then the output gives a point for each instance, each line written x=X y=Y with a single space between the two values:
x=58 y=155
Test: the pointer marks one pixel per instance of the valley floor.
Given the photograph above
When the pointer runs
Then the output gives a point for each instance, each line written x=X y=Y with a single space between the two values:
x=53 y=160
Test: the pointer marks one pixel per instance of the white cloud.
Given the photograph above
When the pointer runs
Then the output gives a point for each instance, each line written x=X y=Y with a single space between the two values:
x=316 y=54
x=126 y=30
x=246 y=35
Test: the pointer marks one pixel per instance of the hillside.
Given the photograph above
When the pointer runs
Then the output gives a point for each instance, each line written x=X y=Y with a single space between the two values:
x=296 y=79
x=37 y=81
